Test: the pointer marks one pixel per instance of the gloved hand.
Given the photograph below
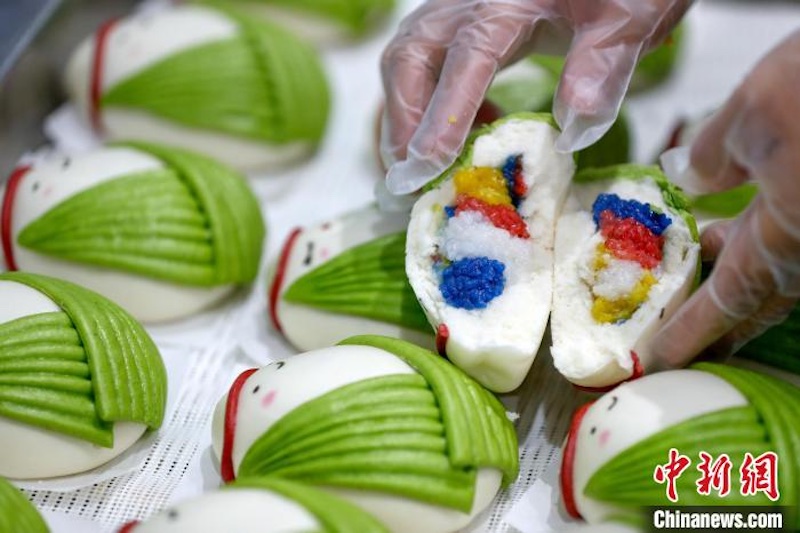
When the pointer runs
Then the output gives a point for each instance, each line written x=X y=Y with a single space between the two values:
x=755 y=281
x=438 y=68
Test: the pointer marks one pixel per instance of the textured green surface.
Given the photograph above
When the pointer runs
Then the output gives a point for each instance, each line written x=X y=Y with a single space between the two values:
x=17 y=514
x=422 y=436
x=263 y=84
x=79 y=370
x=335 y=514
x=368 y=281
x=357 y=16
x=768 y=423
x=779 y=346
x=195 y=222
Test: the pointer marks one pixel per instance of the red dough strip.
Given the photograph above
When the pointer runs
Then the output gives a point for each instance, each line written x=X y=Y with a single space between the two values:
x=231 y=410
x=6 y=215
x=638 y=371
x=280 y=274
x=98 y=68
x=567 y=472
x=442 y=336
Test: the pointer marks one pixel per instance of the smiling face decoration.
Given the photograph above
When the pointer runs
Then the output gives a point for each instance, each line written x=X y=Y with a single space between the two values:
x=160 y=231
x=365 y=420
x=80 y=380
x=346 y=277
x=246 y=93
x=261 y=505
x=626 y=433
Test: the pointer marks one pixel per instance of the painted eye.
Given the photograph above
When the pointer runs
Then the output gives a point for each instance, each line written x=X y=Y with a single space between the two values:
x=593 y=430
x=172 y=515
x=66 y=163
x=279 y=365
x=35 y=186
x=256 y=389
x=614 y=400
x=309 y=253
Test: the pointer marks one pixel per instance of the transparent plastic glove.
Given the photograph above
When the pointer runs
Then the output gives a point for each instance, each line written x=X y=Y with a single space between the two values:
x=438 y=68
x=756 y=276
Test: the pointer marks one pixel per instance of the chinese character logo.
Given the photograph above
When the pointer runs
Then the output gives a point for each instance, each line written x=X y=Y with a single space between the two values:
x=714 y=475
x=760 y=474
x=670 y=472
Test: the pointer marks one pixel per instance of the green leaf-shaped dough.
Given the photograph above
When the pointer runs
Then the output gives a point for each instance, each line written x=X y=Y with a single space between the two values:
x=79 y=370
x=17 y=514
x=263 y=84
x=422 y=436
x=368 y=281
x=195 y=222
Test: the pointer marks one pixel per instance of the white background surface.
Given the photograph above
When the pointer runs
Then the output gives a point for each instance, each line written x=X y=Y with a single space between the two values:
x=723 y=41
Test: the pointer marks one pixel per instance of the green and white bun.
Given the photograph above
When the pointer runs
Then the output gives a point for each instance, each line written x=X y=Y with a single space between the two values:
x=326 y=22
x=162 y=232
x=346 y=277
x=711 y=408
x=17 y=514
x=80 y=380
x=380 y=422
x=245 y=92
x=496 y=344
x=261 y=505
x=596 y=354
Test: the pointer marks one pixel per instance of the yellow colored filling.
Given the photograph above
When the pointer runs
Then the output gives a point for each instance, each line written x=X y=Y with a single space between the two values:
x=483 y=183
x=609 y=311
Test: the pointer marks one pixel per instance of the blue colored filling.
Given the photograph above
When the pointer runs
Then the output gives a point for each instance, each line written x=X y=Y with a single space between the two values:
x=472 y=282
x=510 y=168
x=450 y=211
x=655 y=222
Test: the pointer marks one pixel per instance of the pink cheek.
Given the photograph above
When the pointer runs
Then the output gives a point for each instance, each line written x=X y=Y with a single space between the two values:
x=47 y=191
x=604 y=436
x=324 y=253
x=268 y=398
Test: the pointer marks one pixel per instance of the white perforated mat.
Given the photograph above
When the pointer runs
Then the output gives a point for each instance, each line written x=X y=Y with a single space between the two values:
x=205 y=353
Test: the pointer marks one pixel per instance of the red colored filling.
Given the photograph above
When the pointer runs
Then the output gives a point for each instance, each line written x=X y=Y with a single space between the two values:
x=6 y=215
x=280 y=274
x=567 y=474
x=630 y=240
x=501 y=216
x=231 y=410
x=442 y=335
x=98 y=67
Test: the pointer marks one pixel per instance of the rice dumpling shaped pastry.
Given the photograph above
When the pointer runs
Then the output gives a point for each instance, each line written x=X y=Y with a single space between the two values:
x=346 y=277
x=261 y=505
x=162 y=232
x=383 y=423
x=627 y=255
x=17 y=514
x=80 y=380
x=479 y=252
x=319 y=21
x=245 y=92
x=711 y=419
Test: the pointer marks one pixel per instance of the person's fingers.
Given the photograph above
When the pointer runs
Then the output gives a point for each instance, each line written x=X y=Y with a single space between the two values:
x=772 y=312
x=712 y=240
x=410 y=67
x=610 y=38
x=491 y=38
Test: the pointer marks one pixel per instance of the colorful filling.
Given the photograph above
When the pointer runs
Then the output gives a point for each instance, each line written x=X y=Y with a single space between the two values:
x=625 y=262
x=494 y=193
x=473 y=282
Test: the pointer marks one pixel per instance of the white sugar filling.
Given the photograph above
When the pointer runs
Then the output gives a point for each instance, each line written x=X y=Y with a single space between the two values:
x=470 y=234
x=617 y=280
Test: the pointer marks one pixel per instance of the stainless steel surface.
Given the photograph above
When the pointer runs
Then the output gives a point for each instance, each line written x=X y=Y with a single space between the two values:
x=36 y=38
